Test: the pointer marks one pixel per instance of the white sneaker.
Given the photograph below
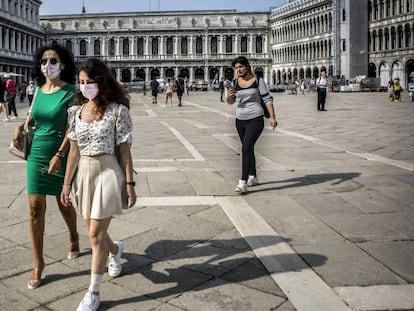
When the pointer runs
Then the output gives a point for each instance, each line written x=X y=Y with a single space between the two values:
x=13 y=117
x=90 y=302
x=252 y=181
x=241 y=187
x=115 y=266
x=6 y=119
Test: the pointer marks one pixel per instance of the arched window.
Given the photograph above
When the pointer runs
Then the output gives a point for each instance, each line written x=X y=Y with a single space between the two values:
x=96 y=47
x=184 y=46
x=125 y=47
x=154 y=46
x=393 y=38
x=259 y=44
x=400 y=36
x=140 y=46
x=407 y=36
x=111 y=47
x=170 y=46
x=82 y=47
x=380 y=40
x=243 y=44
x=386 y=39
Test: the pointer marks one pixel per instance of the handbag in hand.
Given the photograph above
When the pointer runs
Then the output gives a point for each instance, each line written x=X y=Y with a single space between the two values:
x=25 y=140
x=25 y=136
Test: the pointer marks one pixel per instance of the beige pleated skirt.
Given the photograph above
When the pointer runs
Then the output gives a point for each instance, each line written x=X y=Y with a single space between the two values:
x=98 y=190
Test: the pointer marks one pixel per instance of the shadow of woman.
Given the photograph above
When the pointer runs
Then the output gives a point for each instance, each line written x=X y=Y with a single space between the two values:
x=195 y=266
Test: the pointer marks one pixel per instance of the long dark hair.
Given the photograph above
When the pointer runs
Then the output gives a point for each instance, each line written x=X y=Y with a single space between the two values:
x=68 y=73
x=110 y=91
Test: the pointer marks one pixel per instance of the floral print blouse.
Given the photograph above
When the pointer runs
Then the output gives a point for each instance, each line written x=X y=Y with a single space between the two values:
x=98 y=137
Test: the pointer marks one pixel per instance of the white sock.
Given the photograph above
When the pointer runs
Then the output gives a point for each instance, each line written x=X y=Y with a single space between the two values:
x=96 y=281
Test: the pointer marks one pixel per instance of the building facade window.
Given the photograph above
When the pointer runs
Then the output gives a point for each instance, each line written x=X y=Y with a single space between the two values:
x=229 y=44
x=243 y=44
x=111 y=47
x=259 y=44
x=154 y=46
x=170 y=47
x=140 y=46
x=184 y=46
x=213 y=46
x=125 y=47
x=82 y=47
x=199 y=45
x=97 y=47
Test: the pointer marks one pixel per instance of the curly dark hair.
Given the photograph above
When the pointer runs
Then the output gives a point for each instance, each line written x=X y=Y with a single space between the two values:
x=68 y=73
x=110 y=91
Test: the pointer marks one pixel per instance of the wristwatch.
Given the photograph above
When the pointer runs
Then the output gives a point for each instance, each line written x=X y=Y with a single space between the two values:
x=132 y=183
x=60 y=154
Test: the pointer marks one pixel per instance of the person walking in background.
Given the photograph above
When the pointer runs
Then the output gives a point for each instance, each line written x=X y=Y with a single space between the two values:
x=3 y=106
x=97 y=125
x=55 y=72
x=179 y=83
x=168 y=91
x=397 y=90
x=221 y=89
x=250 y=91
x=30 y=91
x=11 y=93
x=321 y=85
x=154 y=90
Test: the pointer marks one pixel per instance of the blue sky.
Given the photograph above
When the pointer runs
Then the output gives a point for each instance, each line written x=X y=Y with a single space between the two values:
x=49 y=7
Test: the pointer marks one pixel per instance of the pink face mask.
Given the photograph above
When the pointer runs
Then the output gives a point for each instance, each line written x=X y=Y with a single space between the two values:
x=50 y=71
x=89 y=91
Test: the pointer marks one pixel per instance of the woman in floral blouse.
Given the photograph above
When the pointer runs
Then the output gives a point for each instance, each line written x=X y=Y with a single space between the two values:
x=100 y=122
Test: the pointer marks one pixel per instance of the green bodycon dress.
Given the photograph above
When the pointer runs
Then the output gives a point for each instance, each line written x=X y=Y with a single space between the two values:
x=49 y=112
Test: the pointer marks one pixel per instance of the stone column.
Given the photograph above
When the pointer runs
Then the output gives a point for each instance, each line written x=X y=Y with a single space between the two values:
x=250 y=48
x=190 y=46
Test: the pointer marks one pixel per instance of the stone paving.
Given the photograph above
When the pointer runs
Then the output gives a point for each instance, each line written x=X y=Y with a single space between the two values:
x=330 y=227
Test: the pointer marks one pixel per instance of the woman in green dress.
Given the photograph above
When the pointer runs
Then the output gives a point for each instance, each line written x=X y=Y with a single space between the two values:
x=56 y=72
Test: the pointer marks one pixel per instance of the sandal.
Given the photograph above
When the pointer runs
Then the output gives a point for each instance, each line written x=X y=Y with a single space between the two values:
x=73 y=250
x=35 y=282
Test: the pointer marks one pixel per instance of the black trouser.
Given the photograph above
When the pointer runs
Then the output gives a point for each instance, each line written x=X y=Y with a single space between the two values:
x=321 y=98
x=12 y=105
x=249 y=131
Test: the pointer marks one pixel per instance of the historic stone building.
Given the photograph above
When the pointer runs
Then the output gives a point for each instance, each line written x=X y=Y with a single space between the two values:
x=294 y=41
x=346 y=37
x=20 y=36
x=391 y=39
x=310 y=35
x=199 y=45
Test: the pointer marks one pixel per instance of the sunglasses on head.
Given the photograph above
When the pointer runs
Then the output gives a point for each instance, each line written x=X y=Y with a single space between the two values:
x=52 y=60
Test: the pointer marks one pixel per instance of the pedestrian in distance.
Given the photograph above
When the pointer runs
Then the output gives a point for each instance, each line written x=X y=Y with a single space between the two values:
x=98 y=124
x=179 y=86
x=30 y=89
x=45 y=169
x=168 y=92
x=321 y=88
x=11 y=93
x=250 y=91
x=3 y=106
x=397 y=90
x=221 y=89
x=154 y=85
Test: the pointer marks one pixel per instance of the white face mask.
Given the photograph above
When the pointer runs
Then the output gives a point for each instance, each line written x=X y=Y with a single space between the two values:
x=90 y=91
x=51 y=71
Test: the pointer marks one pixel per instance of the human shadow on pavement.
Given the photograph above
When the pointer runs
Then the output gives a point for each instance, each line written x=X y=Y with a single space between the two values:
x=336 y=178
x=193 y=265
